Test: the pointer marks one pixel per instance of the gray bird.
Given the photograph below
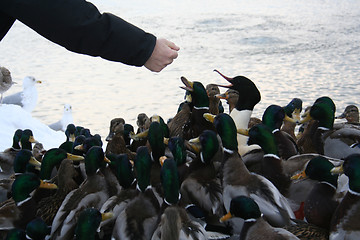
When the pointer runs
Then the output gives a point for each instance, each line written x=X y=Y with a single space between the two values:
x=5 y=81
x=27 y=98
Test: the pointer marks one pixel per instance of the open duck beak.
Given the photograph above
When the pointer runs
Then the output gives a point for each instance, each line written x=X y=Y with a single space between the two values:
x=226 y=217
x=306 y=117
x=189 y=85
x=227 y=78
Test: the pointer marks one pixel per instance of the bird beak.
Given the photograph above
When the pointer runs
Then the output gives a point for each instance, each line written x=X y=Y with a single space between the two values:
x=162 y=160
x=74 y=157
x=166 y=141
x=337 y=170
x=296 y=114
x=34 y=162
x=32 y=139
x=79 y=147
x=141 y=135
x=195 y=144
x=106 y=159
x=289 y=119
x=72 y=137
x=227 y=79
x=47 y=185
x=306 y=117
x=301 y=175
x=226 y=217
x=210 y=117
x=222 y=96
x=189 y=85
x=242 y=131
x=107 y=215
x=38 y=81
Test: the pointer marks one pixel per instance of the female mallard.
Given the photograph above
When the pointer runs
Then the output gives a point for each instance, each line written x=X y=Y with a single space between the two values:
x=255 y=226
x=236 y=178
x=345 y=221
x=320 y=203
x=93 y=192
x=116 y=141
x=215 y=105
x=249 y=96
x=351 y=114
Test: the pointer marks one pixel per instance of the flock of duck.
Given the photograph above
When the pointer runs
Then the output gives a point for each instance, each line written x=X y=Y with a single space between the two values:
x=203 y=174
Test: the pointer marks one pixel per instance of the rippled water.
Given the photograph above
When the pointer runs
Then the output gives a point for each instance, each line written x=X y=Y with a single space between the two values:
x=303 y=49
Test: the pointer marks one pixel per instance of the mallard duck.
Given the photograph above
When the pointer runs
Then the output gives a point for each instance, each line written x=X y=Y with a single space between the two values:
x=292 y=110
x=123 y=170
x=249 y=96
x=93 y=192
x=8 y=155
x=88 y=223
x=65 y=180
x=27 y=98
x=38 y=151
x=24 y=161
x=196 y=123
x=26 y=140
x=215 y=105
x=202 y=187
x=53 y=158
x=273 y=117
x=345 y=221
x=236 y=178
x=37 y=229
x=175 y=222
x=139 y=211
x=70 y=132
x=255 y=226
x=320 y=203
x=328 y=141
x=116 y=141
x=21 y=208
x=5 y=81
x=182 y=116
x=272 y=165
x=351 y=114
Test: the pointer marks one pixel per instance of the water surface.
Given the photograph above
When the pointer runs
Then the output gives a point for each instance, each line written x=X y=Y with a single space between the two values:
x=303 y=49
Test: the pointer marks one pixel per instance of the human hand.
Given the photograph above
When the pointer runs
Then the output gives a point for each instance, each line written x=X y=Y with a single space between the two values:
x=164 y=53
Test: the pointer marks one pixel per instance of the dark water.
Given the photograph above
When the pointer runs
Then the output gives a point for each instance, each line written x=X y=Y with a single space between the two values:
x=288 y=48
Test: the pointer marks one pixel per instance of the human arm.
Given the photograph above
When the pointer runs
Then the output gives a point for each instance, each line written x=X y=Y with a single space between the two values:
x=78 y=26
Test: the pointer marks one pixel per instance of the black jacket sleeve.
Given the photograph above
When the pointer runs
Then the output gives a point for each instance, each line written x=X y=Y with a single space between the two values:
x=78 y=26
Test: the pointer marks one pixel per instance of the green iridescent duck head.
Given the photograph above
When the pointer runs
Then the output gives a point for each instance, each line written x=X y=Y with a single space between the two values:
x=25 y=184
x=122 y=168
x=37 y=229
x=27 y=138
x=199 y=97
x=261 y=134
x=209 y=145
x=323 y=110
x=294 y=108
x=25 y=161
x=88 y=222
x=351 y=168
x=318 y=168
x=274 y=116
x=53 y=157
x=16 y=139
x=95 y=160
x=142 y=166
x=243 y=207
x=178 y=150
x=170 y=181
x=227 y=131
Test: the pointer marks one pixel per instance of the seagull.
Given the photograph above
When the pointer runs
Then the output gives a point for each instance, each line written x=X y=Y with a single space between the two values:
x=66 y=119
x=5 y=81
x=27 y=98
